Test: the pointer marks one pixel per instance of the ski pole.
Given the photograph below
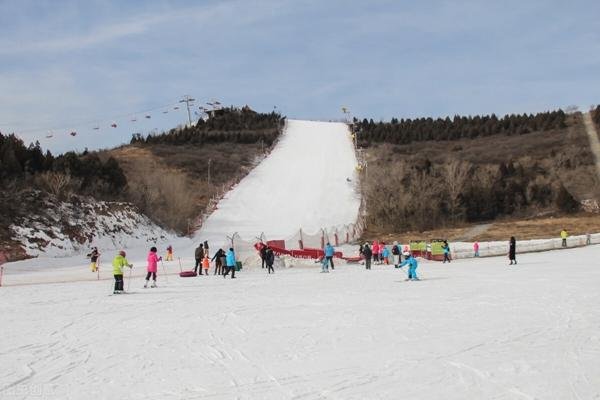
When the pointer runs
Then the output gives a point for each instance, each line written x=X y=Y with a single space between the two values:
x=180 y=269
x=98 y=267
x=129 y=278
x=165 y=271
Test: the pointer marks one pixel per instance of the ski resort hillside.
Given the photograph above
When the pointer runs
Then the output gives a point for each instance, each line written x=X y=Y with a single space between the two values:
x=307 y=183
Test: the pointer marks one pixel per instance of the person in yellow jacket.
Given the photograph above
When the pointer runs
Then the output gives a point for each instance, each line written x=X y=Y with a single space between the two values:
x=564 y=235
x=94 y=256
x=169 y=253
x=119 y=262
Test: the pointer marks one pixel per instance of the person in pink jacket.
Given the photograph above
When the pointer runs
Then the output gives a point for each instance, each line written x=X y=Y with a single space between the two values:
x=153 y=260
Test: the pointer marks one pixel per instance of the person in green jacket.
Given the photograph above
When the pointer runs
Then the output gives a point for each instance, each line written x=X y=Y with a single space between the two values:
x=119 y=262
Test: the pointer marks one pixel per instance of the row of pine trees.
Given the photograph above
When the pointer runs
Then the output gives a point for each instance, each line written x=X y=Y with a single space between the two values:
x=405 y=131
x=227 y=125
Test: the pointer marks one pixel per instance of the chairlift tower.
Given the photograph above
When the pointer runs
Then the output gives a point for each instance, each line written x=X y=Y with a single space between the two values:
x=187 y=100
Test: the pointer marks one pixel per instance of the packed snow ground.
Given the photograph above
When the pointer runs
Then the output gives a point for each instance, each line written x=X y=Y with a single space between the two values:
x=472 y=329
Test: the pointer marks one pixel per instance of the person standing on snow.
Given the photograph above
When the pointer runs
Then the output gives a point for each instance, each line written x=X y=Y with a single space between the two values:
x=375 y=251
x=367 y=254
x=446 y=248
x=396 y=254
x=385 y=254
x=512 y=250
x=412 y=267
x=199 y=255
x=94 y=255
x=206 y=253
x=119 y=262
x=263 y=254
x=329 y=252
x=564 y=235
x=205 y=264
x=230 y=258
x=270 y=259
x=169 y=253
x=476 y=249
x=153 y=260
x=218 y=259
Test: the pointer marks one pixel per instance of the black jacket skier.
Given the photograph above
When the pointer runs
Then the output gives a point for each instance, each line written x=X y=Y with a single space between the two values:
x=269 y=259
x=199 y=255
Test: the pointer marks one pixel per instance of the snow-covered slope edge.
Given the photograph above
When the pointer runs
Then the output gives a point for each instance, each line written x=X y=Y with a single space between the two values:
x=64 y=228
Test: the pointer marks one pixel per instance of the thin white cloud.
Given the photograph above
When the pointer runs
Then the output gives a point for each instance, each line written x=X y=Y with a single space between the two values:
x=102 y=33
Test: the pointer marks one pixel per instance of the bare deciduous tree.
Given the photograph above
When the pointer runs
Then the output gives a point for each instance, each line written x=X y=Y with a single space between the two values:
x=456 y=174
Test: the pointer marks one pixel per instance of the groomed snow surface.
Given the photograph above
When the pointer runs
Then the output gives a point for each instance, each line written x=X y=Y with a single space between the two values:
x=472 y=329
x=308 y=182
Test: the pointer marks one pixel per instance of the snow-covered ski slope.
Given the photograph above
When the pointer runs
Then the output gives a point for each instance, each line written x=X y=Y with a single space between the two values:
x=307 y=182
x=472 y=329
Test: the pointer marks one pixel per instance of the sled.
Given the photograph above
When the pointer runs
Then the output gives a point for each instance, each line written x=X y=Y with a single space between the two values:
x=187 y=274
x=352 y=260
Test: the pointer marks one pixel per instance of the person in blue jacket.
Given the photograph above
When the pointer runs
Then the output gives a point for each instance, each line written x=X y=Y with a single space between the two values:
x=328 y=250
x=446 y=248
x=412 y=266
x=230 y=261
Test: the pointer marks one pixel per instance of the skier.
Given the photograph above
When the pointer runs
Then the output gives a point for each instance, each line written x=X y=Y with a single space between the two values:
x=476 y=248
x=199 y=255
x=324 y=264
x=564 y=235
x=153 y=260
x=119 y=262
x=512 y=250
x=94 y=255
x=367 y=253
x=375 y=251
x=206 y=253
x=385 y=254
x=169 y=253
x=205 y=264
x=412 y=266
x=270 y=259
x=230 y=258
x=446 y=249
x=329 y=251
x=396 y=254
x=263 y=254
x=223 y=261
x=217 y=258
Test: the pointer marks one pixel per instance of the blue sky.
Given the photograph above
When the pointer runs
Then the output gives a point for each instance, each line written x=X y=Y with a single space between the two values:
x=74 y=65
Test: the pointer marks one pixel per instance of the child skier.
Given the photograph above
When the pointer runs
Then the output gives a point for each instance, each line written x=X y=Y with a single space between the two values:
x=169 y=253
x=476 y=248
x=119 y=262
x=385 y=254
x=94 y=255
x=205 y=264
x=412 y=266
x=324 y=264
x=153 y=260
x=375 y=251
